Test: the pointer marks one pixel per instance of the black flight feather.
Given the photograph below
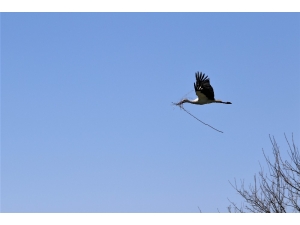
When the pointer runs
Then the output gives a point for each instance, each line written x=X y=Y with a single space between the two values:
x=203 y=86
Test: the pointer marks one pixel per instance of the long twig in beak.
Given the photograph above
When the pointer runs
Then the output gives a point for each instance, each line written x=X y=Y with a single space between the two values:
x=181 y=106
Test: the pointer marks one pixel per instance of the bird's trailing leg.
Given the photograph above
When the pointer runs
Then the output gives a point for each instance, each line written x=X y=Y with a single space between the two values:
x=219 y=101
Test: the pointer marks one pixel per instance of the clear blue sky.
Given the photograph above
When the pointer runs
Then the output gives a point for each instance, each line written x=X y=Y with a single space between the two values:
x=87 y=123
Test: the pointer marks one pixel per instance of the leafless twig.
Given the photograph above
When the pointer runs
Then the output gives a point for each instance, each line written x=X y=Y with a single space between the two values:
x=276 y=191
x=196 y=117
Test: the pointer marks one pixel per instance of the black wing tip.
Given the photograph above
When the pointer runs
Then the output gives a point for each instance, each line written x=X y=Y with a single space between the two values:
x=201 y=76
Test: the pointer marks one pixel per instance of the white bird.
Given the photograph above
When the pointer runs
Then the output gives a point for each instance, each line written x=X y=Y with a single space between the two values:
x=204 y=91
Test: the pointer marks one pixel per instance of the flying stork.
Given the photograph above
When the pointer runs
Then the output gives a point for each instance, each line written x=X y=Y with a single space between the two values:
x=204 y=91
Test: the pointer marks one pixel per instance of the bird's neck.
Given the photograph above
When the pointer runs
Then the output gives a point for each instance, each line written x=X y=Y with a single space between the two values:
x=190 y=101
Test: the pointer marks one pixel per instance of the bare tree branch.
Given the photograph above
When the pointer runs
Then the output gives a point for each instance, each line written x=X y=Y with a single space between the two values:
x=276 y=191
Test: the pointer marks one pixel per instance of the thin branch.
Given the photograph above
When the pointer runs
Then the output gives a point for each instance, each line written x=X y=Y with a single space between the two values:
x=197 y=118
x=199 y=209
x=278 y=189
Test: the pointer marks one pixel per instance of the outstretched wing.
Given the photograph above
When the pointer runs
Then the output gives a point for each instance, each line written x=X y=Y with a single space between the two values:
x=203 y=87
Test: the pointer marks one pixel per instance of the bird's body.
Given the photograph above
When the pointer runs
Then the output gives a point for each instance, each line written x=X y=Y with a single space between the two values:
x=204 y=91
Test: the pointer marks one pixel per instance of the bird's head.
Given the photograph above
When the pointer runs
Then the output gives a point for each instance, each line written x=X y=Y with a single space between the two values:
x=181 y=102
